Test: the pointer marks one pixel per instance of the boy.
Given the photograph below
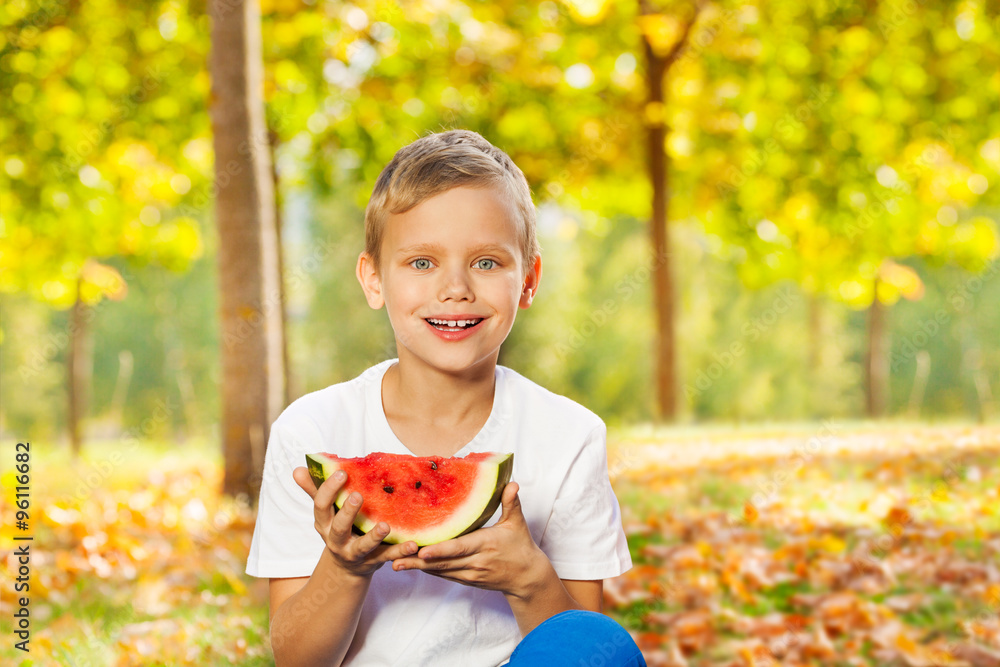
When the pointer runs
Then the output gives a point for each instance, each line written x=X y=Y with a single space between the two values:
x=451 y=252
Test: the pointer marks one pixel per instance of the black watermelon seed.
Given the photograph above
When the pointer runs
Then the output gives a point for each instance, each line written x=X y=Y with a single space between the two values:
x=417 y=485
x=434 y=465
x=387 y=489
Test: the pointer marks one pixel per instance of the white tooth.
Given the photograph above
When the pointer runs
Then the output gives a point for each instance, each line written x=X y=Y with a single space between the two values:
x=452 y=323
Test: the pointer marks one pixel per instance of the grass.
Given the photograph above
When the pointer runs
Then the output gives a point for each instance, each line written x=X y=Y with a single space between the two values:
x=125 y=570
x=131 y=565
x=917 y=500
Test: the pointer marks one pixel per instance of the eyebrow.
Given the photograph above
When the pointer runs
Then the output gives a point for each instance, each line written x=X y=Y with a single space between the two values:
x=435 y=248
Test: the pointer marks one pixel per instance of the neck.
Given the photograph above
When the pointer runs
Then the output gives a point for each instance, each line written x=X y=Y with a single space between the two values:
x=419 y=394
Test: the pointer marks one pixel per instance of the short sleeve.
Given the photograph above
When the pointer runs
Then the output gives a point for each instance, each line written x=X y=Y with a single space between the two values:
x=583 y=537
x=285 y=542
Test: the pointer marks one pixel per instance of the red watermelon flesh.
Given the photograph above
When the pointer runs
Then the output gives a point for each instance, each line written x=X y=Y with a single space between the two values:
x=426 y=499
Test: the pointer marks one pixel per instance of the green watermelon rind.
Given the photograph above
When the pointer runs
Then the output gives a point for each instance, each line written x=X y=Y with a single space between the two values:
x=504 y=470
x=320 y=470
x=320 y=473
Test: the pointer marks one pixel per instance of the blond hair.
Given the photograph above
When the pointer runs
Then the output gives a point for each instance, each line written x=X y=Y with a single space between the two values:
x=437 y=163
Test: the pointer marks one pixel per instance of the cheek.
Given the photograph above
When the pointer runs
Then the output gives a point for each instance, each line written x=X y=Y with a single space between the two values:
x=504 y=294
x=511 y=287
x=401 y=293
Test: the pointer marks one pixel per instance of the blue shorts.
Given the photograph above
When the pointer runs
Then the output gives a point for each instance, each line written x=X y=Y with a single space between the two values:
x=578 y=639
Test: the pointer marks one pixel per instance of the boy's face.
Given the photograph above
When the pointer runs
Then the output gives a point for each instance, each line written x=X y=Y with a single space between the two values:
x=453 y=257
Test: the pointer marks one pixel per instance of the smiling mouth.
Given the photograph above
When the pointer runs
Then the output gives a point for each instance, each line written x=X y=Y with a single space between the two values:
x=452 y=325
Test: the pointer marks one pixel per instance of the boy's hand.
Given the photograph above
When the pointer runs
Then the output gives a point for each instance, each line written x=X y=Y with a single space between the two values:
x=357 y=555
x=503 y=557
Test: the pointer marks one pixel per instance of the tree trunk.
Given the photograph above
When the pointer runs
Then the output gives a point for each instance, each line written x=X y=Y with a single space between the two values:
x=815 y=343
x=250 y=303
x=985 y=395
x=814 y=353
x=663 y=290
x=657 y=67
x=78 y=367
x=876 y=359
x=126 y=364
x=272 y=137
x=919 y=384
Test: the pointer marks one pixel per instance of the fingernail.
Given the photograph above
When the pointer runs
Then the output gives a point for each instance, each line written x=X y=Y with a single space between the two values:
x=383 y=530
x=355 y=498
x=339 y=475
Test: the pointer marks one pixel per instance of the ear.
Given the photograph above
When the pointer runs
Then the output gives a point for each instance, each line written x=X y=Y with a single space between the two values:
x=370 y=281
x=531 y=281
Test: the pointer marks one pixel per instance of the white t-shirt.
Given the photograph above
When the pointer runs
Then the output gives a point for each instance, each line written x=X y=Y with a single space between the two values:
x=410 y=617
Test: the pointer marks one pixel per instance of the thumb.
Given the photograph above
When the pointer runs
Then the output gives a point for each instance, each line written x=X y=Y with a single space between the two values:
x=510 y=504
x=304 y=480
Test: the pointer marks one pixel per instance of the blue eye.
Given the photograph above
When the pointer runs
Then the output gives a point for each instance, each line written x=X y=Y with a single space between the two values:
x=480 y=262
x=416 y=263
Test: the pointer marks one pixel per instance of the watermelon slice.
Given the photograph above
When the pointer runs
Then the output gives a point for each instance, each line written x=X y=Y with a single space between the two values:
x=426 y=499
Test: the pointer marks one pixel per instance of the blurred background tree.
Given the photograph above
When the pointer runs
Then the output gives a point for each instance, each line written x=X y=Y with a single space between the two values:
x=92 y=128
x=854 y=153
x=251 y=313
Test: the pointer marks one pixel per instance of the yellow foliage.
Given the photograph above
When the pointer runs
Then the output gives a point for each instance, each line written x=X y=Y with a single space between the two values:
x=588 y=12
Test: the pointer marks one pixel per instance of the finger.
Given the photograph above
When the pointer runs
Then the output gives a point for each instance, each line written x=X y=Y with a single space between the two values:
x=304 y=480
x=392 y=552
x=465 y=545
x=340 y=529
x=437 y=565
x=370 y=541
x=510 y=503
x=329 y=489
x=323 y=496
x=404 y=563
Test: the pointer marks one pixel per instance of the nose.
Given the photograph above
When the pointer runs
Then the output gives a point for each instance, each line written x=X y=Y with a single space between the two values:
x=457 y=286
